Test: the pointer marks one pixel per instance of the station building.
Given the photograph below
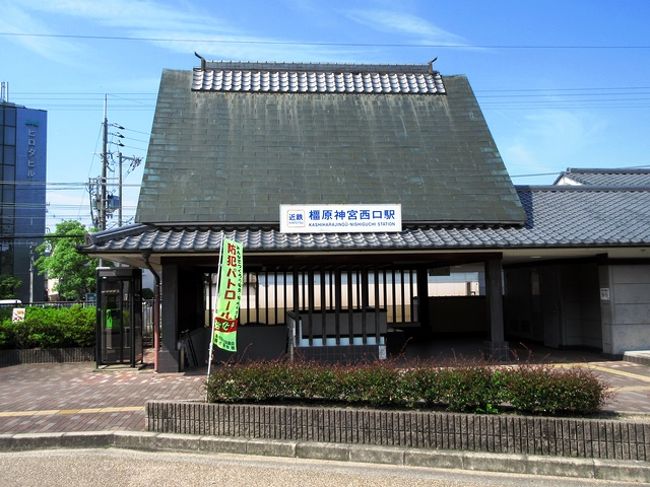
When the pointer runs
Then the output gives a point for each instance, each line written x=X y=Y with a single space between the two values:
x=259 y=152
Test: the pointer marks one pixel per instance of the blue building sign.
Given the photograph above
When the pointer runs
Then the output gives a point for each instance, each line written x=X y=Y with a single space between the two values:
x=357 y=218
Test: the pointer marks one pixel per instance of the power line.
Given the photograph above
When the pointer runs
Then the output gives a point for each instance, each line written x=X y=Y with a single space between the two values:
x=324 y=44
x=608 y=88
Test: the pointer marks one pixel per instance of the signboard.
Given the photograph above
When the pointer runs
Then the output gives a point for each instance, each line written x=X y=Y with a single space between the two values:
x=604 y=294
x=231 y=281
x=18 y=314
x=357 y=218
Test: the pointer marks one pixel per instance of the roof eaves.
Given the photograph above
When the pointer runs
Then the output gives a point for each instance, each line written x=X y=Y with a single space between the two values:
x=583 y=188
x=607 y=170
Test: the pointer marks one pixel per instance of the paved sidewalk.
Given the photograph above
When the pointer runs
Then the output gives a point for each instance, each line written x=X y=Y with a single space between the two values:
x=77 y=397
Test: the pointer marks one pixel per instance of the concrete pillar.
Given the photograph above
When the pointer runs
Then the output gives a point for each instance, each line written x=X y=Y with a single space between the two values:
x=168 y=358
x=605 y=292
x=497 y=346
x=423 y=299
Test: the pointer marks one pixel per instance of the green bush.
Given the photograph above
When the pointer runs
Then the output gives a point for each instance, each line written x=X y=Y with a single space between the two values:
x=50 y=328
x=552 y=390
x=468 y=388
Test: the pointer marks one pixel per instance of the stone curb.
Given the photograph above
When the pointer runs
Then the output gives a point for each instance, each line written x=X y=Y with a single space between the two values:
x=637 y=357
x=613 y=470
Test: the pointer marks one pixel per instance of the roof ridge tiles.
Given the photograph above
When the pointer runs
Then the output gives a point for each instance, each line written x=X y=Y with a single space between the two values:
x=317 y=67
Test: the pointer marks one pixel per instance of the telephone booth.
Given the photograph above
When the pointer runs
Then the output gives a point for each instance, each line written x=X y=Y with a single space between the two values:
x=119 y=316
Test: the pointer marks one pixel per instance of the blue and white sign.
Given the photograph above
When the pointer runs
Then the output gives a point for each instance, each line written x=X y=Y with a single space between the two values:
x=358 y=218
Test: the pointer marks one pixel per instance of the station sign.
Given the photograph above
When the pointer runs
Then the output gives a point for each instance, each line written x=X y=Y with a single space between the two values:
x=355 y=218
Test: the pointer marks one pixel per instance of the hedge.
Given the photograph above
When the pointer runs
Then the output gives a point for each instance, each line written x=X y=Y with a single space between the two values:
x=536 y=389
x=50 y=328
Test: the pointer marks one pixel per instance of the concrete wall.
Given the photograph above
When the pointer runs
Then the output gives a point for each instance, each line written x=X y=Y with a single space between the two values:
x=556 y=304
x=625 y=307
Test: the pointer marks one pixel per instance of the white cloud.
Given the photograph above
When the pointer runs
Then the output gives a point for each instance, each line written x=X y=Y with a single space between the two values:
x=136 y=15
x=550 y=139
x=16 y=20
x=423 y=31
x=181 y=28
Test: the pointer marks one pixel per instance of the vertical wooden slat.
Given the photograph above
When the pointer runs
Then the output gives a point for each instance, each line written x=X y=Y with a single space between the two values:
x=337 y=304
x=266 y=295
x=330 y=286
x=275 y=296
x=377 y=306
x=412 y=294
x=248 y=297
x=323 y=307
x=385 y=287
x=364 y=305
x=210 y=299
x=257 y=296
x=296 y=292
x=350 y=308
x=394 y=291
x=358 y=288
x=310 y=290
x=402 y=295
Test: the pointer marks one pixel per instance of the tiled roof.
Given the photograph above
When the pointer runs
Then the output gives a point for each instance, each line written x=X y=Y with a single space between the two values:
x=234 y=157
x=608 y=177
x=557 y=216
x=316 y=82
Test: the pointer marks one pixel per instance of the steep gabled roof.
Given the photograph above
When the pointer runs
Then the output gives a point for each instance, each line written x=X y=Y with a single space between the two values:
x=232 y=141
x=557 y=217
x=606 y=176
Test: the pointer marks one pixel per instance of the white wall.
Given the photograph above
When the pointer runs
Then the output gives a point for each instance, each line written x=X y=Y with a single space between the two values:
x=626 y=314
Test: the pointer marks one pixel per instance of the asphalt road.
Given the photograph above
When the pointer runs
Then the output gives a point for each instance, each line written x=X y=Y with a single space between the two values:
x=113 y=467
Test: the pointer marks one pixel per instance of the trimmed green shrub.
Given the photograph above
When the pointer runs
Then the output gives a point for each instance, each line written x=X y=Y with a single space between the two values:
x=551 y=390
x=468 y=388
x=50 y=328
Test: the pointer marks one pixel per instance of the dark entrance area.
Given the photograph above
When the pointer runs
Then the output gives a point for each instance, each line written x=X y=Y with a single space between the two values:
x=119 y=316
x=350 y=308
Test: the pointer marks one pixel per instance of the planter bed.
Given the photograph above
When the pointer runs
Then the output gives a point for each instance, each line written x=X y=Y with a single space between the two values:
x=46 y=355
x=568 y=437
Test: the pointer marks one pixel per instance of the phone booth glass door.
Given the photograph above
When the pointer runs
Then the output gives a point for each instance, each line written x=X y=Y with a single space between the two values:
x=119 y=316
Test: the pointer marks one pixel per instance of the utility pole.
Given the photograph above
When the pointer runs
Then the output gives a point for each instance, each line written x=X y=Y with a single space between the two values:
x=119 y=213
x=102 y=191
x=135 y=162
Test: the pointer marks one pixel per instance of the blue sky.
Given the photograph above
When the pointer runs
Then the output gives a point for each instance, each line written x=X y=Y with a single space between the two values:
x=561 y=83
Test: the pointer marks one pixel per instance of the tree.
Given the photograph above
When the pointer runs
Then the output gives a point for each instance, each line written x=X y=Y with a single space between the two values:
x=8 y=286
x=75 y=271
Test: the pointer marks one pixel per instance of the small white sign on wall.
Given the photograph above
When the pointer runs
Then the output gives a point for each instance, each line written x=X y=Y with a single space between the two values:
x=604 y=294
x=18 y=314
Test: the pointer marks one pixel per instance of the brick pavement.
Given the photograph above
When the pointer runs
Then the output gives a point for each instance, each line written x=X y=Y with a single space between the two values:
x=77 y=397
x=630 y=383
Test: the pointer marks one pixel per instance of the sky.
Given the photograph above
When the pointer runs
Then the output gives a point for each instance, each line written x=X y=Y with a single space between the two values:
x=562 y=83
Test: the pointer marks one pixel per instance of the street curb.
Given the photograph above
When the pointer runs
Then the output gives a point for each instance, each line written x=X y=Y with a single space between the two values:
x=614 y=470
x=638 y=357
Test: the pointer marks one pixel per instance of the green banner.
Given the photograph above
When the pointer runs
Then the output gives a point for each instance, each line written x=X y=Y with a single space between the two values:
x=231 y=281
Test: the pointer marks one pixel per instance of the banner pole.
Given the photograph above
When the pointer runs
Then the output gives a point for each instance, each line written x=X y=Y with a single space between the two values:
x=216 y=301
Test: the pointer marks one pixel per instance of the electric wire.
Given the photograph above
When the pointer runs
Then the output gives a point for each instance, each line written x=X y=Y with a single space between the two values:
x=331 y=44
